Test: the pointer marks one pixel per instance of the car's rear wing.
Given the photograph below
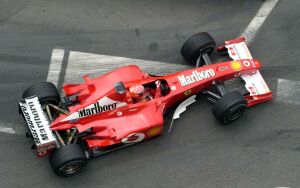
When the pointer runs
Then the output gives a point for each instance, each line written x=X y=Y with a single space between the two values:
x=38 y=125
x=255 y=84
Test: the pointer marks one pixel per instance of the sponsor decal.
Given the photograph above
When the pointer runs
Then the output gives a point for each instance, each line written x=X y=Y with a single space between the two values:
x=236 y=65
x=252 y=90
x=119 y=113
x=30 y=125
x=38 y=125
x=246 y=63
x=103 y=105
x=38 y=121
x=223 y=68
x=154 y=131
x=231 y=50
x=33 y=115
x=257 y=83
x=133 y=137
x=96 y=109
x=238 y=51
x=195 y=77
x=187 y=92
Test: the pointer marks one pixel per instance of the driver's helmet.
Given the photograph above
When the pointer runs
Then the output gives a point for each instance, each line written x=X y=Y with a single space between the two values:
x=136 y=91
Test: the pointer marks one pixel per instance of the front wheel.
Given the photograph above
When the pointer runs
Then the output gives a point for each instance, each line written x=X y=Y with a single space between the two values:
x=68 y=160
x=197 y=44
x=229 y=107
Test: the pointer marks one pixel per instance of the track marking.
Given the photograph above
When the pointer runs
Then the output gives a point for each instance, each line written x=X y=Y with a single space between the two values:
x=81 y=63
x=6 y=129
x=55 y=66
x=13 y=128
x=258 y=20
x=288 y=91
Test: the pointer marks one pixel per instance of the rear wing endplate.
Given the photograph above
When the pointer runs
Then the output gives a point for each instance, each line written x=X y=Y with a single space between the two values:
x=38 y=124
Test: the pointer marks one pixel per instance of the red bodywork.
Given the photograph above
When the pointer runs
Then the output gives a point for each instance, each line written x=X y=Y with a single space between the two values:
x=122 y=121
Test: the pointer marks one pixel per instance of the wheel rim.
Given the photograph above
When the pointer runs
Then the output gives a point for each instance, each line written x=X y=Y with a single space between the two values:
x=71 y=167
x=234 y=113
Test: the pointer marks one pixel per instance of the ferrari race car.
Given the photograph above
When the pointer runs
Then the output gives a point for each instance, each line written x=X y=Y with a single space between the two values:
x=127 y=105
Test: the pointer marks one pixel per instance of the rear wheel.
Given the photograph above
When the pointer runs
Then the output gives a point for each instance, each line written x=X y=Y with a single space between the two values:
x=197 y=44
x=45 y=91
x=229 y=107
x=68 y=160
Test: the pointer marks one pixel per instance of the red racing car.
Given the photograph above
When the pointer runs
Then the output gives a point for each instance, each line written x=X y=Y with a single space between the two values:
x=127 y=105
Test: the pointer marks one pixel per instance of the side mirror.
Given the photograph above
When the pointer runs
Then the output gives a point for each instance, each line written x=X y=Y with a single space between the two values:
x=120 y=88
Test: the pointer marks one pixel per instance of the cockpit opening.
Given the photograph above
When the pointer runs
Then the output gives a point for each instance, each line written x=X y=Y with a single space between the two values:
x=149 y=91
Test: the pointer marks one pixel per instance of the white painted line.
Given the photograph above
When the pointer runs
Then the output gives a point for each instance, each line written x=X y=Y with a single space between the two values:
x=258 y=20
x=55 y=65
x=81 y=63
x=7 y=129
x=13 y=128
x=288 y=91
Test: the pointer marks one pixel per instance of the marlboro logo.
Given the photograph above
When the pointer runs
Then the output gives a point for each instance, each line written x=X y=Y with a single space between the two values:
x=195 y=77
x=103 y=105
x=97 y=108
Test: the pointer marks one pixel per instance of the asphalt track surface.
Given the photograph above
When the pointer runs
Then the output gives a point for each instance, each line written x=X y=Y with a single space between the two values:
x=262 y=149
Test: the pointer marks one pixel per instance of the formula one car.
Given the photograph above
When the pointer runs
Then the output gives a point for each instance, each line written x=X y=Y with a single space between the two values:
x=127 y=105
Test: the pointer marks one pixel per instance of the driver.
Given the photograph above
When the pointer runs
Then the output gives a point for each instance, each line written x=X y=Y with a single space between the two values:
x=140 y=94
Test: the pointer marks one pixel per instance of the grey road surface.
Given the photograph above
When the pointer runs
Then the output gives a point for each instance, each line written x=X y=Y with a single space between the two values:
x=262 y=149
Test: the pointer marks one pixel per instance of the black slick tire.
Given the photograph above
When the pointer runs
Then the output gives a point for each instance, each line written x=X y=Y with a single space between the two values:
x=68 y=160
x=197 y=44
x=45 y=91
x=229 y=107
